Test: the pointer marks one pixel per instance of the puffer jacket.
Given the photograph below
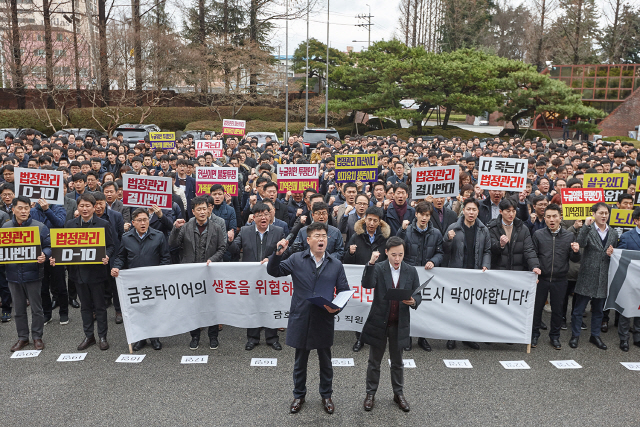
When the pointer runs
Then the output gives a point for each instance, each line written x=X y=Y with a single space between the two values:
x=455 y=247
x=518 y=254
x=29 y=271
x=365 y=248
x=554 y=253
x=422 y=246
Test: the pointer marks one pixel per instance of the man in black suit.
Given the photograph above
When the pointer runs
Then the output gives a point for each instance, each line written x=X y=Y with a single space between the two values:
x=441 y=219
x=257 y=242
x=90 y=278
x=388 y=320
x=186 y=183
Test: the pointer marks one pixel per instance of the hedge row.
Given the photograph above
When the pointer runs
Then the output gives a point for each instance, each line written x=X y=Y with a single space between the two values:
x=252 y=126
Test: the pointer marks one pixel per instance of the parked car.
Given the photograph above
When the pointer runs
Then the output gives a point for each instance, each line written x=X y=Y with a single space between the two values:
x=81 y=133
x=198 y=134
x=135 y=134
x=262 y=137
x=19 y=133
x=311 y=137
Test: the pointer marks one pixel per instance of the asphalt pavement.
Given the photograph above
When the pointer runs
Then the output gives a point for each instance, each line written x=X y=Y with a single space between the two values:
x=160 y=391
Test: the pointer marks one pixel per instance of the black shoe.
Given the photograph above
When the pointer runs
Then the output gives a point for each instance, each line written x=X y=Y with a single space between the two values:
x=156 y=344
x=583 y=326
x=410 y=346
x=276 y=346
x=563 y=325
x=139 y=345
x=64 y=319
x=250 y=346
x=534 y=342
x=573 y=342
x=195 y=343
x=451 y=344
x=422 y=342
x=296 y=405
x=54 y=303
x=357 y=346
x=555 y=343
x=213 y=343
x=74 y=303
x=597 y=341
x=604 y=328
x=624 y=345
x=471 y=344
x=543 y=326
x=47 y=320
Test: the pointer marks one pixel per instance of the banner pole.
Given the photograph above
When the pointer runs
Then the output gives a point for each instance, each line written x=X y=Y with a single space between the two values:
x=131 y=349
x=528 y=348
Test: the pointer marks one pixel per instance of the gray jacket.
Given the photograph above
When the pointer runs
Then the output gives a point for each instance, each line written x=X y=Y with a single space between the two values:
x=455 y=248
x=125 y=211
x=594 y=268
x=70 y=205
x=184 y=238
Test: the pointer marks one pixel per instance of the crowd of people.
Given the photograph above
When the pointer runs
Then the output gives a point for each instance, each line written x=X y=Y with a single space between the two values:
x=478 y=229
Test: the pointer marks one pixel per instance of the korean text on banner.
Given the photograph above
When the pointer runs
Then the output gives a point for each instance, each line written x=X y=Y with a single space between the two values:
x=70 y=246
x=213 y=146
x=19 y=245
x=613 y=184
x=497 y=173
x=624 y=286
x=577 y=202
x=145 y=191
x=206 y=177
x=40 y=184
x=297 y=178
x=163 y=140
x=494 y=306
x=621 y=220
x=437 y=181
x=356 y=167
x=234 y=127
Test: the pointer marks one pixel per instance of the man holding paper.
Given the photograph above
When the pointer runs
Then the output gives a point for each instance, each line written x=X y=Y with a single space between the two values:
x=389 y=319
x=315 y=274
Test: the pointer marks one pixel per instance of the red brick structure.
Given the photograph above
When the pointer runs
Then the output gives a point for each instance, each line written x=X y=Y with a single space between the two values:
x=624 y=118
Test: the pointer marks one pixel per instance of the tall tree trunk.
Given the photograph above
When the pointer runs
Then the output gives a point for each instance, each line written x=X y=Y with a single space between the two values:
x=225 y=29
x=76 y=64
x=447 y=113
x=18 y=74
x=415 y=23
x=543 y=12
x=48 y=51
x=202 y=35
x=253 y=38
x=137 y=50
x=104 y=61
x=576 y=47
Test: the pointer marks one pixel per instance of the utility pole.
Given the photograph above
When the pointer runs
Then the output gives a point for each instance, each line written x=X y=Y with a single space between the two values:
x=367 y=24
x=306 y=102
x=326 y=79
x=286 y=74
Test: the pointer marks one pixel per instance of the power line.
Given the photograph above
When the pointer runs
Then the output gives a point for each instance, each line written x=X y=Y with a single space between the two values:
x=366 y=24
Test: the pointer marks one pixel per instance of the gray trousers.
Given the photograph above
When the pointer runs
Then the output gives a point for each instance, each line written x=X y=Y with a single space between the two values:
x=623 y=328
x=20 y=292
x=397 y=366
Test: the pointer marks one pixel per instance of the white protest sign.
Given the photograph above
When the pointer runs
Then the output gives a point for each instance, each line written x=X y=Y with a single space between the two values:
x=257 y=361
x=22 y=354
x=632 y=366
x=71 y=357
x=498 y=173
x=130 y=358
x=187 y=360
x=40 y=184
x=515 y=364
x=407 y=363
x=436 y=181
x=457 y=363
x=565 y=364
x=213 y=146
x=342 y=362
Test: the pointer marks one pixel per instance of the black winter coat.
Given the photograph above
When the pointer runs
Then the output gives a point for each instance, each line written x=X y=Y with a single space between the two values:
x=422 y=247
x=151 y=251
x=378 y=277
x=518 y=254
x=554 y=253
x=90 y=273
x=364 y=246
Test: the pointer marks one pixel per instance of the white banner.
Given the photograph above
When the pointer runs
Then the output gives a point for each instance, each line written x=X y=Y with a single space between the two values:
x=624 y=286
x=468 y=305
x=499 y=173
x=436 y=181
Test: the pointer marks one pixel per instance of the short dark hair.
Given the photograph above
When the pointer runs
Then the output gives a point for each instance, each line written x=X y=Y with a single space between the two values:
x=317 y=226
x=554 y=207
x=99 y=196
x=537 y=199
x=507 y=203
x=394 y=241
x=86 y=197
x=270 y=184
x=468 y=200
x=198 y=200
x=23 y=199
x=109 y=184
x=599 y=205
x=216 y=187
x=374 y=210
x=139 y=211
x=260 y=207
x=401 y=186
x=79 y=177
x=625 y=196
x=424 y=207
x=636 y=214
x=319 y=206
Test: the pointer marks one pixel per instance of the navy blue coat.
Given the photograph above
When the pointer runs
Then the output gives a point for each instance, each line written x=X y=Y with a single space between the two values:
x=190 y=193
x=54 y=217
x=29 y=271
x=227 y=213
x=391 y=218
x=310 y=327
x=630 y=240
x=90 y=273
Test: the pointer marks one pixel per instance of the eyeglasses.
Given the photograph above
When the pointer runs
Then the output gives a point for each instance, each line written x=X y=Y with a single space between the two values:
x=261 y=215
x=362 y=204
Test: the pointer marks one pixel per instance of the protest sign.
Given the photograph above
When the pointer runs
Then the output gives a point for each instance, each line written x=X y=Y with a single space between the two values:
x=234 y=127
x=40 y=184
x=19 y=245
x=142 y=191
x=491 y=306
x=497 y=173
x=297 y=178
x=613 y=184
x=577 y=202
x=356 y=167
x=164 y=140
x=213 y=146
x=436 y=181
x=206 y=177
x=71 y=246
x=620 y=220
x=624 y=286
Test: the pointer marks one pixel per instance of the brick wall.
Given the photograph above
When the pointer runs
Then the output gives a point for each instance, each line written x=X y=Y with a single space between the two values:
x=624 y=118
